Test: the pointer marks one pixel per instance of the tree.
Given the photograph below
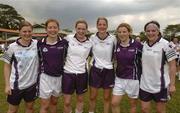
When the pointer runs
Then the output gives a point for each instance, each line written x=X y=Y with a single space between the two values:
x=67 y=30
x=9 y=17
x=171 y=30
x=142 y=35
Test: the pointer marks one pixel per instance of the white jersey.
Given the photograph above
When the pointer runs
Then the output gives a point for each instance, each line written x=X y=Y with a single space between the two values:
x=102 y=51
x=176 y=48
x=77 y=55
x=24 y=64
x=155 y=70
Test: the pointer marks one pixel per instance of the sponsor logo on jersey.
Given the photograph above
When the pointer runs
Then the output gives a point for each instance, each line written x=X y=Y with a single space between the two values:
x=131 y=50
x=59 y=47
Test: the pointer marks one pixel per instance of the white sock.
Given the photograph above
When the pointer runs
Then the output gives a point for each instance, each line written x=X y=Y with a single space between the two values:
x=91 y=112
x=76 y=111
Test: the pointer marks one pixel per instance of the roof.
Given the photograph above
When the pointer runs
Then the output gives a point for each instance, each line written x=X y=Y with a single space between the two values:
x=177 y=34
x=8 y=30
x=36 y=31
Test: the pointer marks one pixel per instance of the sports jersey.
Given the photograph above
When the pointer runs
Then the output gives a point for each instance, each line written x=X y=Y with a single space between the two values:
x=77 y=55
x=155 y=70
x=24 y=64
x=102 y=51
x=129 y=60
x=52 y=56
x=176 y=47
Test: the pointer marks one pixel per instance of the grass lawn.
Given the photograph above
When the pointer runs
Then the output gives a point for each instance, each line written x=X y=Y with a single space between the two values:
x=173 y=106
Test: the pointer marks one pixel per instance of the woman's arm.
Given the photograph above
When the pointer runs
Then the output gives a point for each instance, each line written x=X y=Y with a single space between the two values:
x=172 y=73
x=7 y=72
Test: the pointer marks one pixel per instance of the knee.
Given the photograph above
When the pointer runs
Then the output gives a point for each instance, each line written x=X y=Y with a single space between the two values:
x=80 y=100
x=107 y=99
x=67 y=103
x=29 y=107
x=54 y=102
x=160 y=111
x=44 y=108
x=12 y=111
x=145 y=110
x=114 y=103
x=133 y=105
x=93 y=98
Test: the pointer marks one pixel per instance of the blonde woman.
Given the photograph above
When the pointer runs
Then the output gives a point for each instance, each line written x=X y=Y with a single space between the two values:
x=128 y=55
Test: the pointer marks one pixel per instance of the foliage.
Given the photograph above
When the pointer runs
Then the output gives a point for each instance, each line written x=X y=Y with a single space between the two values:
x=171 y=30
x=9 y=17
x=142 y=35
x=67 y=30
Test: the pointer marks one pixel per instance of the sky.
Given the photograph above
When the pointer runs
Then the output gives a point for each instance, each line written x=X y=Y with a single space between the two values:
x=134 y=12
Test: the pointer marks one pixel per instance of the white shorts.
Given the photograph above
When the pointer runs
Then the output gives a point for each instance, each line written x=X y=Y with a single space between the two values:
x=128 y=86
x=49 y=86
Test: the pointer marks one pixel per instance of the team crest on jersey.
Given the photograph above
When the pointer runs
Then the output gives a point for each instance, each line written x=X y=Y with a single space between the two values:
x=45 y=49
x=118 y=50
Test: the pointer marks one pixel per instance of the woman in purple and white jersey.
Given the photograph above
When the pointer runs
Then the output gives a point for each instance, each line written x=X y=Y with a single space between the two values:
x=101 y=72
x=21 y=70
x=128 y=56
x=176 y=46
x=75 y=78
x=158 y=69
x=52 y=51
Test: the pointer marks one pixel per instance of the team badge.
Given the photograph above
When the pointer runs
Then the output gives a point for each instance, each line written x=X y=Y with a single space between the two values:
x=118 y=50
x=45 y=49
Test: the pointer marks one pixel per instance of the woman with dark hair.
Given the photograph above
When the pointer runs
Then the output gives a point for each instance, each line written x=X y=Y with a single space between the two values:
x=158 y=69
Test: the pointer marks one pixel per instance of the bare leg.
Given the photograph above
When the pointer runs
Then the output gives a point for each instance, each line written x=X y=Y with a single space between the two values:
x=133 y=103
x=161 y=107
x=107 y=100
x=53 y=104
x=44 y=105
x=67 y=103
x=116 y=100
x=80 y=103
x=145 y=107
x=12 y=109
x=93 y=97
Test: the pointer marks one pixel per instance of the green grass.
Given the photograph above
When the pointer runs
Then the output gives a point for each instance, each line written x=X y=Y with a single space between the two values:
x=173 y=106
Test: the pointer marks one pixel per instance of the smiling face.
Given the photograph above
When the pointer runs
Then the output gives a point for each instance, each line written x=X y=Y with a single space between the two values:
x=81 y=30
x=152 y=32
x=123 y=34
x=52 y=29
x=26 y=33
x=102 y=26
